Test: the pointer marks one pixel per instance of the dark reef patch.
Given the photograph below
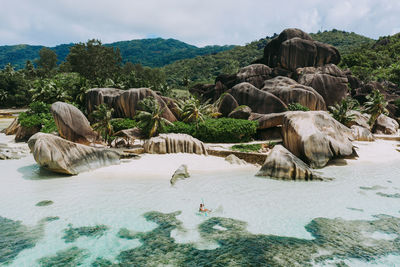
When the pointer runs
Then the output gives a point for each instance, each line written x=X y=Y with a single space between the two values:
x=73 y=256
x=15 y=237
x=71 y=234
x=126 y=234
x=100 y=262
x=397 y=195
x=355 y=209
x=44 y=203
x=372 y=188
x=338 y=239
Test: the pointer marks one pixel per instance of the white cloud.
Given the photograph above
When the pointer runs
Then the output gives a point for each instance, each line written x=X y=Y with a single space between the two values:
x=197 y=22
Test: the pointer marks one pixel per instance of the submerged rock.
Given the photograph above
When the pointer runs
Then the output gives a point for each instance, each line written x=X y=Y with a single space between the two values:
x=71 y=234
x=174 y=143
x=315 y=137
x=62 y=156
x=44 y=203
x=73 y=256
x=72 y=124
x=282 y=164
x=180 y=174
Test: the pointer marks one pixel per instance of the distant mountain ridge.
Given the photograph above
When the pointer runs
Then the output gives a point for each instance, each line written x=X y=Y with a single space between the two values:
x=155 y=52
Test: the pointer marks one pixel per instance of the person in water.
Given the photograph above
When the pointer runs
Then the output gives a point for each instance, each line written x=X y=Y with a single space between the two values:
x=203 y=208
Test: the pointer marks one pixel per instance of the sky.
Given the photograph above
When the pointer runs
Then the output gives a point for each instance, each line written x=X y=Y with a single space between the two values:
x=197 y=22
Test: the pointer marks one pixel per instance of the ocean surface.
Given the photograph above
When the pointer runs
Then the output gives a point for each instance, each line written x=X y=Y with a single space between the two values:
x=130 y=215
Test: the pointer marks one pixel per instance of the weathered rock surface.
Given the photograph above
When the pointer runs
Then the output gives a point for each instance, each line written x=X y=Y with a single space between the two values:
x=180 y=174
x=241 y=112
x=359 y=119
x=72 y=124
x=124 y=102
x=63 y=156
x=328 y=80
x=232 y=159
x=12 y=128
x=386 y=125
x=289 y=91
x=227 y=105
x=315 y=137
x=24 y=133
x=294 y=49
x=281 y=164
x=259 y=101
x=174 y=143
x=254 y=74
x=266 y=121
x=362 y=134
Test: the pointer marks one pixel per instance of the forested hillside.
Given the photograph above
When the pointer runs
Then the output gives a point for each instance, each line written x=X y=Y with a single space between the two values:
x=148 y=52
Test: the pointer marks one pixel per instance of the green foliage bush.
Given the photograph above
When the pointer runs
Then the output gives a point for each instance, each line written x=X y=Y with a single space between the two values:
x=247 y=147
x=297 y=107
x=38 y=115
x=224 y=130
x=122 y=124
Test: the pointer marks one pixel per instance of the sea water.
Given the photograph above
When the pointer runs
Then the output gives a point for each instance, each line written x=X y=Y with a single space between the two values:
x=254 y=214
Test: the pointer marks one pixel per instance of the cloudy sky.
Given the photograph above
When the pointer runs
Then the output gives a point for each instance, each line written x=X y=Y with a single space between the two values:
x=198 y=22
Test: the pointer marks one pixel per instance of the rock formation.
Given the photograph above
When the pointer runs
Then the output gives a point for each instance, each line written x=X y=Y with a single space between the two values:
x=24 y=133
x=180 y=174
x=359 y=119
x=227 y=105
x=241 y=112
x=232 y=159
x=124 y=102
x=289 y=91
x=281 y=164
x=315 y=137
x=386 y=125
x=254 y=74
x=362 y=133
x=259 y=101
x=63 y=156
x=72 y=124
x=329 y=81
x=294 y=49
x=174 y=143
x=266 y=121
x=12 y=128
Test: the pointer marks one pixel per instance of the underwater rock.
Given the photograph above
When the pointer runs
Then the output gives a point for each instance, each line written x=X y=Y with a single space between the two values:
x=180 y=174
x=126 y=234
x=71 y=234
x=397 y=195
x=281 y=164
x=44 y=203
x=63 y=156
x=16 y=237
x=174 y=143
x=73 y=256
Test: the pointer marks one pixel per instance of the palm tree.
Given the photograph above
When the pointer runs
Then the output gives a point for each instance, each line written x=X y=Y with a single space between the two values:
x=192 y=110
x=375 y=106
x=340 y=111
x=150 y=117
x=102 y=116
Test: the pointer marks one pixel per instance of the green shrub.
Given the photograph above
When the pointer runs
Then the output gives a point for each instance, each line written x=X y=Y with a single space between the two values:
x=224 y=130
x=297 y=107
x=122 y=124
x=38 y=115
x=247 y=147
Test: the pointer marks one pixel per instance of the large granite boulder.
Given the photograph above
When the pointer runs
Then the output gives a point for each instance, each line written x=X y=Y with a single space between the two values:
x=328 y=80
x=174 y=143
x=72 y=124
x=294 y=49
x=386 y=125
x=259 y=101
x=255 y=74
x=289 y=91
x=124 y=102
x=281 y=164
x=359 y=119
x=227 y=104
x=63 y=156
x=266 y=121
x=315 y=137
x=241 y=112
x=98 y=96
x=362 y=134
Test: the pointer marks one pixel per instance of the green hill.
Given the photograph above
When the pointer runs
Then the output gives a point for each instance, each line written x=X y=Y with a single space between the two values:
x=155 y=52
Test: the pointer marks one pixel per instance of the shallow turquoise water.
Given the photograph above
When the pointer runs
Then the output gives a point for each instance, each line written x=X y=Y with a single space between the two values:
x=255 y=217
